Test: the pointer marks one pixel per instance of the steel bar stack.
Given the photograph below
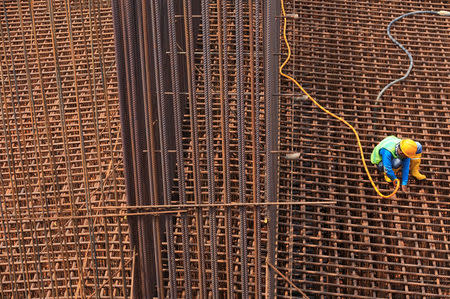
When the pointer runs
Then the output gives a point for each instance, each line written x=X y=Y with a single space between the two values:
x=60 y=154
x=193 y=114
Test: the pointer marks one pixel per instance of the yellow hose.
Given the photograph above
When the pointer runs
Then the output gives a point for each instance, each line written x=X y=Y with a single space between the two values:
x=396 y=182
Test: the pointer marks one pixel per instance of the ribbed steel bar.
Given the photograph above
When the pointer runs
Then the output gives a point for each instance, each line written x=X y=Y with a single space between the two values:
x=162 y=119
x=150 y=142
x=209 y=142
x=241 y=141
x=130 y=146
x=254 y=31
x=134 y=93
x=222 y=37
x=146 y=235
x=271 y=46
x=120 y=58
x=176 y=100
x=193 y=121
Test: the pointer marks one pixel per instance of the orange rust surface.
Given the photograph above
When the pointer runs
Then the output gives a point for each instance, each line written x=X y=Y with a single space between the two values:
x=60 y=153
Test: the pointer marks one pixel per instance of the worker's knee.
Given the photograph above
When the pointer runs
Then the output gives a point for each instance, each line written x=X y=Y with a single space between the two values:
x=380 y=166
x=396 y=163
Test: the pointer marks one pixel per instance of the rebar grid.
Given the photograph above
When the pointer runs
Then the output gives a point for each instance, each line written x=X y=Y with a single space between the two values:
x=60 y=155
x=364 y=247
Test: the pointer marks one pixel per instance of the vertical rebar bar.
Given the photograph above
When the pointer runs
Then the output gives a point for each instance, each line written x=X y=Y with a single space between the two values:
x=132 y=19
x=193 y=121
x=241 y=144
x=255 y=108
x=209 y=143
x=176 y=101
x=271 y=46
x=224 y=111
x=150 y=138
x=163 y=133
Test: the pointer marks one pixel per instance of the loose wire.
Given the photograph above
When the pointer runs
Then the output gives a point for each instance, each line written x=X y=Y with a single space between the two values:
x=396 y=181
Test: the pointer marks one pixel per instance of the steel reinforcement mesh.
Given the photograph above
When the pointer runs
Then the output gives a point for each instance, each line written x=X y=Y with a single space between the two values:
x=364 y=246
x=60 y=153
x=206 y=123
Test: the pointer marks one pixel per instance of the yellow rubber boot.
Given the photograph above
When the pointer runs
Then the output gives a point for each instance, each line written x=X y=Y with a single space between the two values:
x=415 y=164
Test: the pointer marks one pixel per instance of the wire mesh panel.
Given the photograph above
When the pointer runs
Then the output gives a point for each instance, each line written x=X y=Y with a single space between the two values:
x=60 y=153
x=364 y=246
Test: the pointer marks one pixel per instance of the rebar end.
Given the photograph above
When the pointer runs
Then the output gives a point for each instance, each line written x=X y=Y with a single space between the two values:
x=301 y=98
x=292 y=15
x=293 y=156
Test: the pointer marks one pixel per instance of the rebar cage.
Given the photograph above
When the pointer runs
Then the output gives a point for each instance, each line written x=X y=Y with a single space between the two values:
x=61 y=165
x=143 y=150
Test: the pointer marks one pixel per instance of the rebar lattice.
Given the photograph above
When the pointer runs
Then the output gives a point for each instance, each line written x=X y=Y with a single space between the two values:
x=60 y=153
x=364 y=246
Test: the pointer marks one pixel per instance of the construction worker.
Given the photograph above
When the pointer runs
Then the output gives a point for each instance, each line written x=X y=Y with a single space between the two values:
x=392 y=153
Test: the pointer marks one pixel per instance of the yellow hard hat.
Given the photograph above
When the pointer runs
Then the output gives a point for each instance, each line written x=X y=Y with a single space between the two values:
x=408 y=147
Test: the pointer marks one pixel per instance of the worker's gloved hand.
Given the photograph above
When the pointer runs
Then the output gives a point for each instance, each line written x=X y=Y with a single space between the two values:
x=404 y=188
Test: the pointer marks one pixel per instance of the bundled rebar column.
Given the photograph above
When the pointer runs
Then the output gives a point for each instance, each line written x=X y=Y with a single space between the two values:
x=193 y=113
x=60 y=153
